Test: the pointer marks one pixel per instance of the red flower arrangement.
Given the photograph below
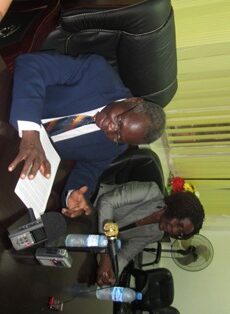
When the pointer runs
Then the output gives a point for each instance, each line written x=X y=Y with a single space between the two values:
x=178 y=184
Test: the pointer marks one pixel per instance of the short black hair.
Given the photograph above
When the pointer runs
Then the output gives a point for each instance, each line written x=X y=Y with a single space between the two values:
x=156 y=117
x=183 y=205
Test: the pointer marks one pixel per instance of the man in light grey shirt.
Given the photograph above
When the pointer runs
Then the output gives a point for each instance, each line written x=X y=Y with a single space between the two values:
x=143 y=215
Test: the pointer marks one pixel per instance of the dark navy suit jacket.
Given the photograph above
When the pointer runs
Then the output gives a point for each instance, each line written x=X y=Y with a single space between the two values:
x=52 y=85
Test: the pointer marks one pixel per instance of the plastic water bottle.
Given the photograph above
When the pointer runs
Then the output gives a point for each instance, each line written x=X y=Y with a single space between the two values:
x=118 y=294
x=88 y=240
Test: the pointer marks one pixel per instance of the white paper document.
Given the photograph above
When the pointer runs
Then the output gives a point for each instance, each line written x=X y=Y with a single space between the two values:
x=35 y=193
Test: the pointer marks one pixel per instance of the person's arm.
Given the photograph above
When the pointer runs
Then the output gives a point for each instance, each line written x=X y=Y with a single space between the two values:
x=33 y=74
x=129 y=193
x=88 y=168
x=132 y=247
x=81 y=182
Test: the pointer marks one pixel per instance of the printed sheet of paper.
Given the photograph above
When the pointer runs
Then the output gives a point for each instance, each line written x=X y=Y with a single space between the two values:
x=35 y=193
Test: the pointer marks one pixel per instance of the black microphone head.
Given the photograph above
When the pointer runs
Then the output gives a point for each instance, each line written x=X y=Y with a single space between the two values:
x=54 y=225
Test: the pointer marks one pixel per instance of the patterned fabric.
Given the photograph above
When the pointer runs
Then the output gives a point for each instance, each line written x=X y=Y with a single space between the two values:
x=58 y=126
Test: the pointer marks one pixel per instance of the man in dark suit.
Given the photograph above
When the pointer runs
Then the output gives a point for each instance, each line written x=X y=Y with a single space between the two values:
x=48 y=86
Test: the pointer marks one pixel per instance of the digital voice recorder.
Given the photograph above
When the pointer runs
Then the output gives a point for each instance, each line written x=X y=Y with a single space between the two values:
x=28 y=235
x=53 y=257
x=51 y=226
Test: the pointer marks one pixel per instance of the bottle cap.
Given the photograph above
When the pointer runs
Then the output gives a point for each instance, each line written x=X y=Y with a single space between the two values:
x=138 y=296
x=118 y=244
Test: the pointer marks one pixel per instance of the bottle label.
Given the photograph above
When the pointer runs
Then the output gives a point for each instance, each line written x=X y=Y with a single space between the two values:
x=117 y=294
x=92 y=240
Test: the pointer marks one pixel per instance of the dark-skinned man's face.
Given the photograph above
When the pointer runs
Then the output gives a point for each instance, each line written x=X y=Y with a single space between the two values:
x=121 y=124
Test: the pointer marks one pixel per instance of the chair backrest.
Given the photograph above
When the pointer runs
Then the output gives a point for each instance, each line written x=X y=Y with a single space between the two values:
x=25 y=27
x=156 y=286
x=138 y=40
x=135 y=164
x=165 y=310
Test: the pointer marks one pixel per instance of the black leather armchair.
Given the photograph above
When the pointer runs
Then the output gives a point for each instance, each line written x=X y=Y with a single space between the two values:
x=137 y=39
x=136 y=164
x=157 y=289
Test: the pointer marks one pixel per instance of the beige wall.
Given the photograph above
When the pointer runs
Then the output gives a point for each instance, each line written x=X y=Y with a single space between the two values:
x=206 y=291
x=203 y=47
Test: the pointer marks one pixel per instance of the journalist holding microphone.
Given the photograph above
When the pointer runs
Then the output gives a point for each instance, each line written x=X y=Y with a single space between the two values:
x=143 y=216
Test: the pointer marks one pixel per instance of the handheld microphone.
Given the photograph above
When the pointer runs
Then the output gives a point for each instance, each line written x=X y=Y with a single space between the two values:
x=111 y=231
x=49 y=227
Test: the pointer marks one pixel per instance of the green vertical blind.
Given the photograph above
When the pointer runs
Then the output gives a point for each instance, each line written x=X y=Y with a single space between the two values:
x=198 y=118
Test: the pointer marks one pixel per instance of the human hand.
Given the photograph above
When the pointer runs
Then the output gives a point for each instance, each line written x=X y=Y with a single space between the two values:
x=105 y=274
x=33 y=155
x=4 y=6
x=77 y=204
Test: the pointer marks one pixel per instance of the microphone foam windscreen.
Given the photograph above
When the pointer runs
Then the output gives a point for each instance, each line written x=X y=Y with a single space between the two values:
x=54 y=224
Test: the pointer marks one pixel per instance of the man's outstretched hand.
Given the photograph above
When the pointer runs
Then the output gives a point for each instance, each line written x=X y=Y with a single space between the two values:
x=33 y=155
x=77 y=204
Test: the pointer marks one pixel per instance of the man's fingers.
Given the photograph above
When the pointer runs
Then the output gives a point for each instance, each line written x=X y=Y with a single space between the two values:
x=45 y=169
x=99 y=281
x=31 y=166
x=105 y=279
x=15 y=162
x=26 y=167
x=112 y=280
x=65 y=212
x=34 y=169
x=72 y=213
x=11 y=167
x=25 y=170
x=88 y=211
